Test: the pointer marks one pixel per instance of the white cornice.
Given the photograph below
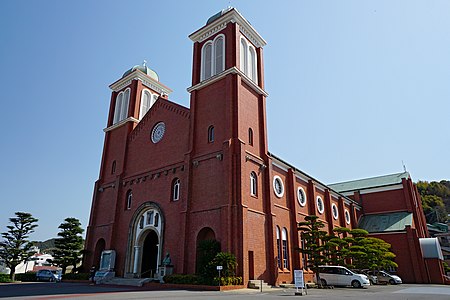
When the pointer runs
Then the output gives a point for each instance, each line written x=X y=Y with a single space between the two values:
x=121 y=123
x=280 y=166
x=232 y=70
x=232 y=16
x=147 y=81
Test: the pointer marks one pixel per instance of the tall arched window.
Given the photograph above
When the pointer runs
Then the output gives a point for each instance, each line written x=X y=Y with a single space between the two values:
x=176 y=189
x=285 y=249
x=210 y=134
x=121 y=107
x=250 y=137
x=213 y=57
x=113 y=167
x=253 y=184
x=219 y=55
x=278 y=248
x=129 y=199
x=248 y=61
x=146 y=102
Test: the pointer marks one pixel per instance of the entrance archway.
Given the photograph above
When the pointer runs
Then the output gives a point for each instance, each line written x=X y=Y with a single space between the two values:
x=150 y=249
x=99 y=247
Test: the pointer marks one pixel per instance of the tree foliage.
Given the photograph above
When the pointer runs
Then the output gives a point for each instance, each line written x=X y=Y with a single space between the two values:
x=207 y=251
x=435 y=200
x=15 y=246
x=69 y=244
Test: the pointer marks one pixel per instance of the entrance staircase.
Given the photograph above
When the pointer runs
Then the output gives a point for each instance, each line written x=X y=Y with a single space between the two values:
x=257 y=284
x=127 y=281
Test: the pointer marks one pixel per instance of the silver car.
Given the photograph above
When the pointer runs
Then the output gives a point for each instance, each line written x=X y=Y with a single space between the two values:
x=48 y=275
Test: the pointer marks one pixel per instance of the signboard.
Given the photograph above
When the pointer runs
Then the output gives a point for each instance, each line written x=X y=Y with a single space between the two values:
x=219 y=267
x=298 y=279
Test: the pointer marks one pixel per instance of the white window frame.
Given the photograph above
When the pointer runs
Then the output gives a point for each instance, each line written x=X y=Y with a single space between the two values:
x=214 y=53
x=301 y=191
x=129 y=199
x=253 y=184
x=278 y=178
x=151 y=100
x=285 y=248
x=121 y=106
x=176 y=189
x=334 y=211
x=248 y=59
x=319 y=199
x=347 y=216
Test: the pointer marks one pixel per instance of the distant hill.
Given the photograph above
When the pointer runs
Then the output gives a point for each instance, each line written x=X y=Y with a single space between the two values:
x=435 y=200
x=46 y=246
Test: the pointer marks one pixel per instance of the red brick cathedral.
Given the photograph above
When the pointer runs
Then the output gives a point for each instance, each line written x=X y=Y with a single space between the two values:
x=173 y=176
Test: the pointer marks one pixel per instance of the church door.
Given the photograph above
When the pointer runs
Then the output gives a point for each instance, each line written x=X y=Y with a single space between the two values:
x=150 y=255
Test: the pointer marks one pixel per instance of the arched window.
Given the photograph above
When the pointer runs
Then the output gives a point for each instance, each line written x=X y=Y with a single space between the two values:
x=150 y=217
x=285 y=249
x=252 y=64
x=118 y=107
x=248 y=60
x=253 y=184
x=176 y=189
x=113 y=167
x=219 y=55
x=278 y=248
x=210 y=134
x=207 y=61
x=250 y=137
x=129 y=199
x=244 y=56
x=124 y=108
x=156 y=220
x=146 y=103
x=213 y=57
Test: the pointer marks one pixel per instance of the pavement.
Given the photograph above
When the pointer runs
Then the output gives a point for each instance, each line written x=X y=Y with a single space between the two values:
x=86 y=291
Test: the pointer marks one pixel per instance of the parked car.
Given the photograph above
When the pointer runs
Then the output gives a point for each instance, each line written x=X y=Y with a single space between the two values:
x=372 y=278
x=341 y=276
x=385 y=278
x=49 y=275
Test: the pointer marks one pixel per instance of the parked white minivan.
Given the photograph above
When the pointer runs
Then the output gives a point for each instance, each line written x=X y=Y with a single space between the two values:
x=341 y=276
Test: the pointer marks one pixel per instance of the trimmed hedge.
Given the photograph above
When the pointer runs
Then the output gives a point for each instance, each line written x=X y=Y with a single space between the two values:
x=4 y=278
x=198 y=280
x=26 y=277
x=76 y=276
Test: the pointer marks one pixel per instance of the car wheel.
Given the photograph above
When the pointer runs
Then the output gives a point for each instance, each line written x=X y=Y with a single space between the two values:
x=391 y=281
x=323 y=282
x=356 y=284
x=51 y=279
x=371 y=282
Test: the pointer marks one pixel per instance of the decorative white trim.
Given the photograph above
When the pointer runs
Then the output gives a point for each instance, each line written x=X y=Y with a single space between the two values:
x=123 y=122
x=317 y=205
x=334 y=208
x=278 y=178
x=232 y=70
x=301 y=190
x=320 y=187
x=302 y=177
x=232 y=16
x=146 y=80
x=276 y=164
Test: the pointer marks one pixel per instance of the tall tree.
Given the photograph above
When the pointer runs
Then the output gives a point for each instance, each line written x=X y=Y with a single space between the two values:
x=15 y=246
x=69 y=244
x=313 y=246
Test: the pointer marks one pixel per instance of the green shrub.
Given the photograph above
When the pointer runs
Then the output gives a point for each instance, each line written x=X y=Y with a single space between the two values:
x=206 y=251
x=229 y=280
x=228 y=262
x=182 y=279
x=4 y=278
x=26 y=277
x=76 y=276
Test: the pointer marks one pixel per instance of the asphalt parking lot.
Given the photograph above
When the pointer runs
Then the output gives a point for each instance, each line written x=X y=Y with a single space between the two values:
x=86 y=291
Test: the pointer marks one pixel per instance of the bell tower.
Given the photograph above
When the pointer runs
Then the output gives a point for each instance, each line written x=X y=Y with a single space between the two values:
x=229 y=152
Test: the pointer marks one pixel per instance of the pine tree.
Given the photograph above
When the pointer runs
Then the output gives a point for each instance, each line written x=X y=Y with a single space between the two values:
x=69 y=244
x=15 y=246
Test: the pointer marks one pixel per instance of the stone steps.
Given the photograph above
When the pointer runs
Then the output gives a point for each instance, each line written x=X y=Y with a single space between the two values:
x=256 y=284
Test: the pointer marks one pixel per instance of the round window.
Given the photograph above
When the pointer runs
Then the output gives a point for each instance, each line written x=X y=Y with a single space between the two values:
x=335 y=211
x=347 y=216
x=278 y=186
x=158 y=132
x=320 y=207
x=301 y=196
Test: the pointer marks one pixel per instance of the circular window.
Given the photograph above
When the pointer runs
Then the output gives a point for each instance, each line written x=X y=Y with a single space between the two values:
x=320 y=207
x=347 y=216
x=158 y=132
x=301 y=196
x=335 y=211
x=278 y=186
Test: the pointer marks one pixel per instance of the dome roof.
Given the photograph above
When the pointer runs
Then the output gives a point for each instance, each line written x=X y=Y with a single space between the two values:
x=218 y=15
x=143 y=68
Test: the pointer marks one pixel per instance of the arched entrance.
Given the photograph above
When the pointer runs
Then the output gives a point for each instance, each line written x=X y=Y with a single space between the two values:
x=99 y=247
x=150 y=249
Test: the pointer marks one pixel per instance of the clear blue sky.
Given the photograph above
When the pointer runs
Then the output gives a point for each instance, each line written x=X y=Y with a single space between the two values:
x=355 y=87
